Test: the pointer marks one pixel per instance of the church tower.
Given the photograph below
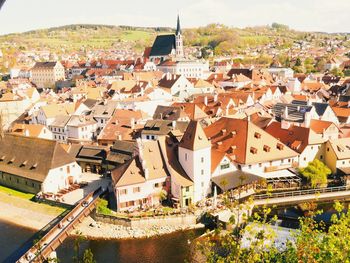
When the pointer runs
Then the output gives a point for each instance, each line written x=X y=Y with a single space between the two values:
x=179 y=41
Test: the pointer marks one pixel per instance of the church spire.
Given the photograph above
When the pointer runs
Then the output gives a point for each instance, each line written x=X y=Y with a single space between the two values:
x=178 y=27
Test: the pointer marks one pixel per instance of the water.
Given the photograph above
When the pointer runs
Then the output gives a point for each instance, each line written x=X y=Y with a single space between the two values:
x=168 y=248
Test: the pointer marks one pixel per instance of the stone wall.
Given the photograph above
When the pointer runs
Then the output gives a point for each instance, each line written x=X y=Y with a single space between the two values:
x=147 y=222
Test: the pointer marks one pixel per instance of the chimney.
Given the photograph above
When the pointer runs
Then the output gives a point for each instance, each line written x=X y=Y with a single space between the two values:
x=215 y=96
x=132 y=123
x=146 y=171
x=206 y=101
x=307 y=119
x=173 y=124
x=26 y=132
x=285 y=113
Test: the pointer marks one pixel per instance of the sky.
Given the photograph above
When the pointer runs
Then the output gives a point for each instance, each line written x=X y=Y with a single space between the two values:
x=305 y=15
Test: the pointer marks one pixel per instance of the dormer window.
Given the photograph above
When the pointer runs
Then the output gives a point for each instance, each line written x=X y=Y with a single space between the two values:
x=253 y=150
x=2 y=158
x=24 y=163
x=257 y=135
x=267 y=148
x=280 y=146
x=34 y=166
x=11 y=161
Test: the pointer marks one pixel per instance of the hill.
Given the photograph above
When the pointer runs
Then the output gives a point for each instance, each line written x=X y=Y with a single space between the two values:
x=215 y=36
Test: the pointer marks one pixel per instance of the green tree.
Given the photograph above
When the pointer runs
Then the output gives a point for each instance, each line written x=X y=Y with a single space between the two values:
x=316 y=173
x=337 y=72
x=312 y=242
x=88 y=257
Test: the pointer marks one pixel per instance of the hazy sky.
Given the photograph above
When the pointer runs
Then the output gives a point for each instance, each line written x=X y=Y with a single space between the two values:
x=308 y=15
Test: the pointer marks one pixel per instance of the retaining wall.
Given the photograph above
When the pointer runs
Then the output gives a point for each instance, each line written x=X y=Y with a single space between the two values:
x=147 y=222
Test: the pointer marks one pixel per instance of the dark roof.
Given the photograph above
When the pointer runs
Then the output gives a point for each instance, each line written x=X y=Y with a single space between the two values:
x=90 y=103
x=163 y=45
x=244 y=71
x=320 y=107
x=167 y=113
x=45 y=64
x=31 y=157
x=296 y=112
x=178 y=26
x=96 y=153
x=163 y=127
x=121 y=152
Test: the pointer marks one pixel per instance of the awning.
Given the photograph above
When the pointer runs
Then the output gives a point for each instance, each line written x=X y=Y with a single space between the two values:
x=235 y=179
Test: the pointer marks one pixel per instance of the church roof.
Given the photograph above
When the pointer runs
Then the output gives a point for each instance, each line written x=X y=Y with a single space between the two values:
x=163 y=45
x=178 y=27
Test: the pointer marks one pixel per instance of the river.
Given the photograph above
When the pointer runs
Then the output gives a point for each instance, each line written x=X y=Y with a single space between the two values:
x=168 y=248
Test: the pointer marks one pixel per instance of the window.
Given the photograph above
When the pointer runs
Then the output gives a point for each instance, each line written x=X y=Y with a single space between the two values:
x=224 y=166
x=202 y=184
x=260 y=164
x=187 y=188
x=185 y=156
x=239 y=167
x=156 y=185
x=123 y=191
x=136 y=189
x=250 y=166
x=321 y=157
x=202 y=159
x=327 y=149
x=202 y=172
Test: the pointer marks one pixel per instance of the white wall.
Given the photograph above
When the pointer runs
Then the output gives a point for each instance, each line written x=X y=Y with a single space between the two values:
x=198 y=169
x=57 y=178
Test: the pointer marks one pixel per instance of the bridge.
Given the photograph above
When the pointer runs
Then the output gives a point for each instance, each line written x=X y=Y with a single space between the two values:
x=59 y=230
x=302 y=196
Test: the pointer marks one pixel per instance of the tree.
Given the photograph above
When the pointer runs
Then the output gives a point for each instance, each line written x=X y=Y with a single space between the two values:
x=88 y=257
x=316 y=173
x=337 y=72
x=312 y=242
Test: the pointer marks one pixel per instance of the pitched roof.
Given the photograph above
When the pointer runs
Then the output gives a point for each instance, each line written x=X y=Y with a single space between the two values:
x=31 y=157
x=163 y=45
x=341 y=148
x=48 y=64
x=194 y=137
x=244 y=142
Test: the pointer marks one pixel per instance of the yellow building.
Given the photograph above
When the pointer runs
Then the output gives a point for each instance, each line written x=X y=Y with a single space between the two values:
x=45 y=74
x=338 y=154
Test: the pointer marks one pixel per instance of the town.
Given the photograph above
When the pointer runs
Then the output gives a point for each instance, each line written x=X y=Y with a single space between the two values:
x=172 y=130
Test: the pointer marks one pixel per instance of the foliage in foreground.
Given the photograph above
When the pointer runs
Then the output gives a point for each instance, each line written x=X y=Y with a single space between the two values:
x=316 y=173
x=313 y=242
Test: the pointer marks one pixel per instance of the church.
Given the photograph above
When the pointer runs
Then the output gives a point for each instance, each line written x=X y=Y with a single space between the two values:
x=168 y=46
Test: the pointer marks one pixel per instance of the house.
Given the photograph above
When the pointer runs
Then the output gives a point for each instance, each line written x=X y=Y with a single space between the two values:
x=46 y=114
x=45 y=74
x=59 y=128
x=176 y=85
x=31 y=130
x=182 y=187
x=102 y=113
x=139 y=182
x=194 y=154
x=338 y=154
x=171 y=113
x=306 y=141
x=241 y=145
x=120 y=153
x=36 y=165
x=154 y=129
x=187 y=68
x=91 y=158
x=124 y=125
x=81 y=128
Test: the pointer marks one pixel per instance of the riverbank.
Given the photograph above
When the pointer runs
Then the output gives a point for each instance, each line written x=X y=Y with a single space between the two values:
x=34 y=216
